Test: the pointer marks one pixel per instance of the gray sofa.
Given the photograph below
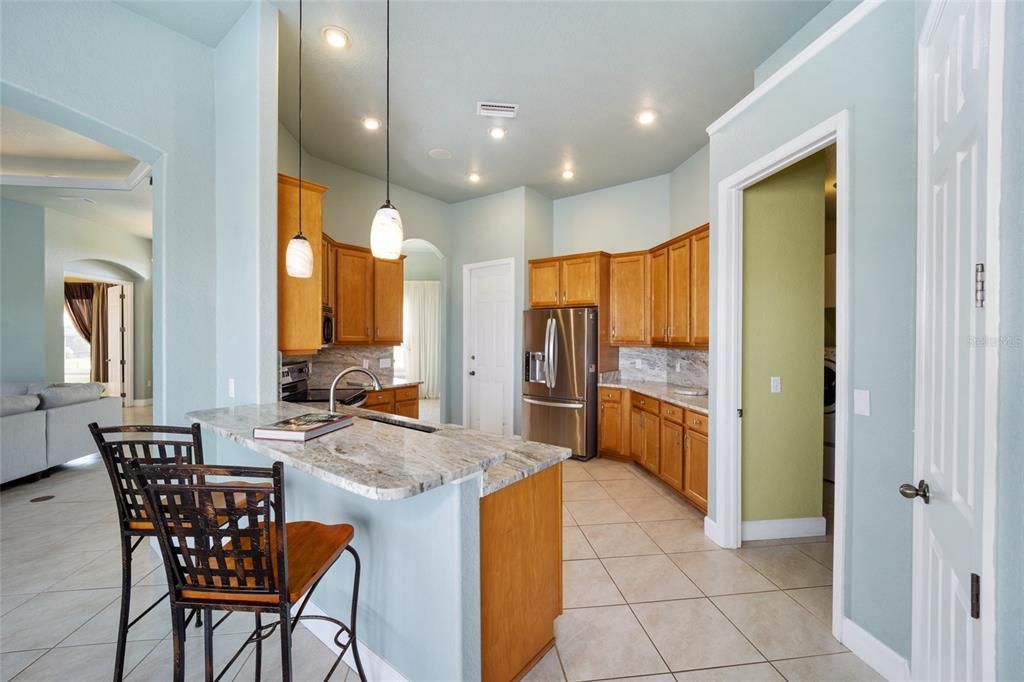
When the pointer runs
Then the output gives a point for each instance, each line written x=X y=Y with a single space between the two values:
x=43 y=425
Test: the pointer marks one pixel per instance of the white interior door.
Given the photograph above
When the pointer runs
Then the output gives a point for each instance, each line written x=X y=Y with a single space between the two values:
x=488 y=328
x=115 y=341
x=959 y=72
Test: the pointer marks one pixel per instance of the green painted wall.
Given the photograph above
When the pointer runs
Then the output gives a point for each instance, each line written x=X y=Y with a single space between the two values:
x=783 y=336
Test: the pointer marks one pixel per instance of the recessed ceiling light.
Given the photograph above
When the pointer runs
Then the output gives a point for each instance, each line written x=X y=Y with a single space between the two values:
x=336 y=36
x=371 y=123
x=646 y=118
x=568 y=174
x=441 y=154
x=474 y=177
x=498 y=133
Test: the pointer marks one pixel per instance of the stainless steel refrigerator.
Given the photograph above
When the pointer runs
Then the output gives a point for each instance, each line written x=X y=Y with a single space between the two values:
x=560 y=378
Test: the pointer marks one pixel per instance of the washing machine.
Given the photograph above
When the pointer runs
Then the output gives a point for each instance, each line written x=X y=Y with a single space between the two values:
x=829 y=430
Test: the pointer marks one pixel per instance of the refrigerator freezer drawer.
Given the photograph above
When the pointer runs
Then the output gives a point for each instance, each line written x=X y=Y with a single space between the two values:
x=557 y=423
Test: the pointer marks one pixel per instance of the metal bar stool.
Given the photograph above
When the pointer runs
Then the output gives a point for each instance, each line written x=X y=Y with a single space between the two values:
x=148 y=445
x=227 y=546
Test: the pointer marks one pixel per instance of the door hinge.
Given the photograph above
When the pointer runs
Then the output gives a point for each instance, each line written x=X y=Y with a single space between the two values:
x=979 y=285
x=975 y=596
x=739 y=413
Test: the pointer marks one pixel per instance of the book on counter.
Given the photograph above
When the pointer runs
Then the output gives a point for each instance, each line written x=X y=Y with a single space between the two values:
x=303 y=427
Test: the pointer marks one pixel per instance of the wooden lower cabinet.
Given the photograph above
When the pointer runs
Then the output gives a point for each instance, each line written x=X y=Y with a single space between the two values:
x=408 y=408
x=645 y=438
x=520 y=573
x=609 y=433
x=401 y=401
x=670 y=467
x=695 y=470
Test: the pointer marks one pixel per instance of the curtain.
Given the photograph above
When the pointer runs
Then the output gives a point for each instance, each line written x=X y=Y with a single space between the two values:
x=78 y=302
x=98 y=343
x=422 y=324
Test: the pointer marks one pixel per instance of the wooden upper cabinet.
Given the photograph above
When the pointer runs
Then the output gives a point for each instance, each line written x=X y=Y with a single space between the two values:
x=579 y=280
x=629 y=299
x=545 y=284
x=679 y=292
x=299 y=299
x=659 y=296
x=353 y=317
x=700 y=287
x=388 y=295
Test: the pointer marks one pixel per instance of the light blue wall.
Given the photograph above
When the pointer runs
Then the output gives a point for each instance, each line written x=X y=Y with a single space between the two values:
x=245 y=82
x=818 y=24
x=688 y=192
x=487 y=228
x=540 y=225
x=22 y=261
x=1009 y=529
x=108 y=73
x=870 y=72
x=625 y=217
x=73 y=239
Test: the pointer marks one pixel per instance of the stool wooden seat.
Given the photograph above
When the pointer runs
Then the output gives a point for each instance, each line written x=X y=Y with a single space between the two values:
x=228 y=546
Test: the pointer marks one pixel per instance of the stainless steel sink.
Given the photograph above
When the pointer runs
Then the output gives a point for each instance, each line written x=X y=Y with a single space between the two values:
x=401 y=423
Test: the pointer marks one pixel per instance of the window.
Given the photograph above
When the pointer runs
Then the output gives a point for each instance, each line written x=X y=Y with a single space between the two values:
x=77 y=358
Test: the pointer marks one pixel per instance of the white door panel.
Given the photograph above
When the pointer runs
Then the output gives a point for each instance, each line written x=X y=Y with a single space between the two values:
x=488 y=330
x=955 y=392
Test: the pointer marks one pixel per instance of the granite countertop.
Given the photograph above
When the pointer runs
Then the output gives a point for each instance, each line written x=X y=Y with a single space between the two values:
x=662 y=391
x=382 y=461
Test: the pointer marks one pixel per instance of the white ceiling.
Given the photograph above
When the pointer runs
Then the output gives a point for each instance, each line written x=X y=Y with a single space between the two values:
x=44 y=164
x=206 y=21
x=580 y=72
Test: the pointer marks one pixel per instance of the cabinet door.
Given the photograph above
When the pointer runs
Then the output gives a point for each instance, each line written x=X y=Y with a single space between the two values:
x=353 y=318
x=679 y=292
x=545 y=288
x=299 y=299
x=652 y=443
x=636 y=434
x=327 y=280
x=699 y=287
x=670 y=467
x=388 y=296
x=659 y=296
x=610 y=428
x=579 y=281
x=408 y=408
x=629 y=300
x=695 y=469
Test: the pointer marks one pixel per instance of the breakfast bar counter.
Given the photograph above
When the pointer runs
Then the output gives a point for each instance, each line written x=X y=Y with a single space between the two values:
x=458 y=530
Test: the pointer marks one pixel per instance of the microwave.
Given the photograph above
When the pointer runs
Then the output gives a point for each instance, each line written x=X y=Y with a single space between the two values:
x=327 y=326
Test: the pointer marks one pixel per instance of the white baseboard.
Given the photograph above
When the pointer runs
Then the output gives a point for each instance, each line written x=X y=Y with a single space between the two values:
x=884 y=660
x=142 y=402
x=375 y=667
x=713 y=531
x=773 y=529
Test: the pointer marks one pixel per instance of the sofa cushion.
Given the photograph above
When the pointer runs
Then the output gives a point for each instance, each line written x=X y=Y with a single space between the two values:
x=16 y=404
x=13 y=388
x=58 y=395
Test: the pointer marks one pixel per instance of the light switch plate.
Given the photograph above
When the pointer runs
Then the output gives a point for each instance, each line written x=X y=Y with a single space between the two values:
x=776 y=384
x=366 y=364
x=385 y=363
x=231 y=388
x=862 y=402
x=638 y=364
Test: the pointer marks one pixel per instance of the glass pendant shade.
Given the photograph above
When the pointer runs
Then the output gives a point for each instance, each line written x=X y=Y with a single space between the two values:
x=298 y=257
x=386 y=233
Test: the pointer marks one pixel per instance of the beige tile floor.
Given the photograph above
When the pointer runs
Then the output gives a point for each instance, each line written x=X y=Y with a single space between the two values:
x=60 y=590
x=648 y=597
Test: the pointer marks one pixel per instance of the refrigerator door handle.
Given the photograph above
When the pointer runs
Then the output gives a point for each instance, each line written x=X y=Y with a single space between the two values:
x=553 y=362
x=548 y=350
x=545 y=403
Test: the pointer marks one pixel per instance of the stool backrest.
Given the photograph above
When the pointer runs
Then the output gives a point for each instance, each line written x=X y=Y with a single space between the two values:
x=222 y=542
x=147 y=445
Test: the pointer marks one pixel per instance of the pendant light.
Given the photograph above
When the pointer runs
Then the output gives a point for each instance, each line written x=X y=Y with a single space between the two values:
x=386 y=233
x=298 y=257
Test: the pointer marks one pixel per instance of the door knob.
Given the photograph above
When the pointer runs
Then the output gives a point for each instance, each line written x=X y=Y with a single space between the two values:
x=472 y=373
x=910 y=491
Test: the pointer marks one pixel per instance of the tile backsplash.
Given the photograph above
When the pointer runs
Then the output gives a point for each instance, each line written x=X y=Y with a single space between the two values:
x=680 y=366
x=326 y=364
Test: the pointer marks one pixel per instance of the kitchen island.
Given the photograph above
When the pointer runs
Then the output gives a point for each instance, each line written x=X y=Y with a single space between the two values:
x=459 y=532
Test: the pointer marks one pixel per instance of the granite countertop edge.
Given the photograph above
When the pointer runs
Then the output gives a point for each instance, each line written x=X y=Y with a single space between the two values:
x=663 y=392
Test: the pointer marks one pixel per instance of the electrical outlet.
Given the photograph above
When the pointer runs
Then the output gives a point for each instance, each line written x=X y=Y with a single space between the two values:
x=776 y=384
x=385 y=363
x=679 y=366
x=638 y=364
x=366 y=364
x=231 y=388
x=862 y=402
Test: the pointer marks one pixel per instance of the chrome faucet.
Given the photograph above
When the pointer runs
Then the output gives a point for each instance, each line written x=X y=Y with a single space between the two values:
x=375 y=382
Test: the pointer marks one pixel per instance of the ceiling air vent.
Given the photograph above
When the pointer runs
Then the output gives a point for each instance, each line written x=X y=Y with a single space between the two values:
x=497 y=109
